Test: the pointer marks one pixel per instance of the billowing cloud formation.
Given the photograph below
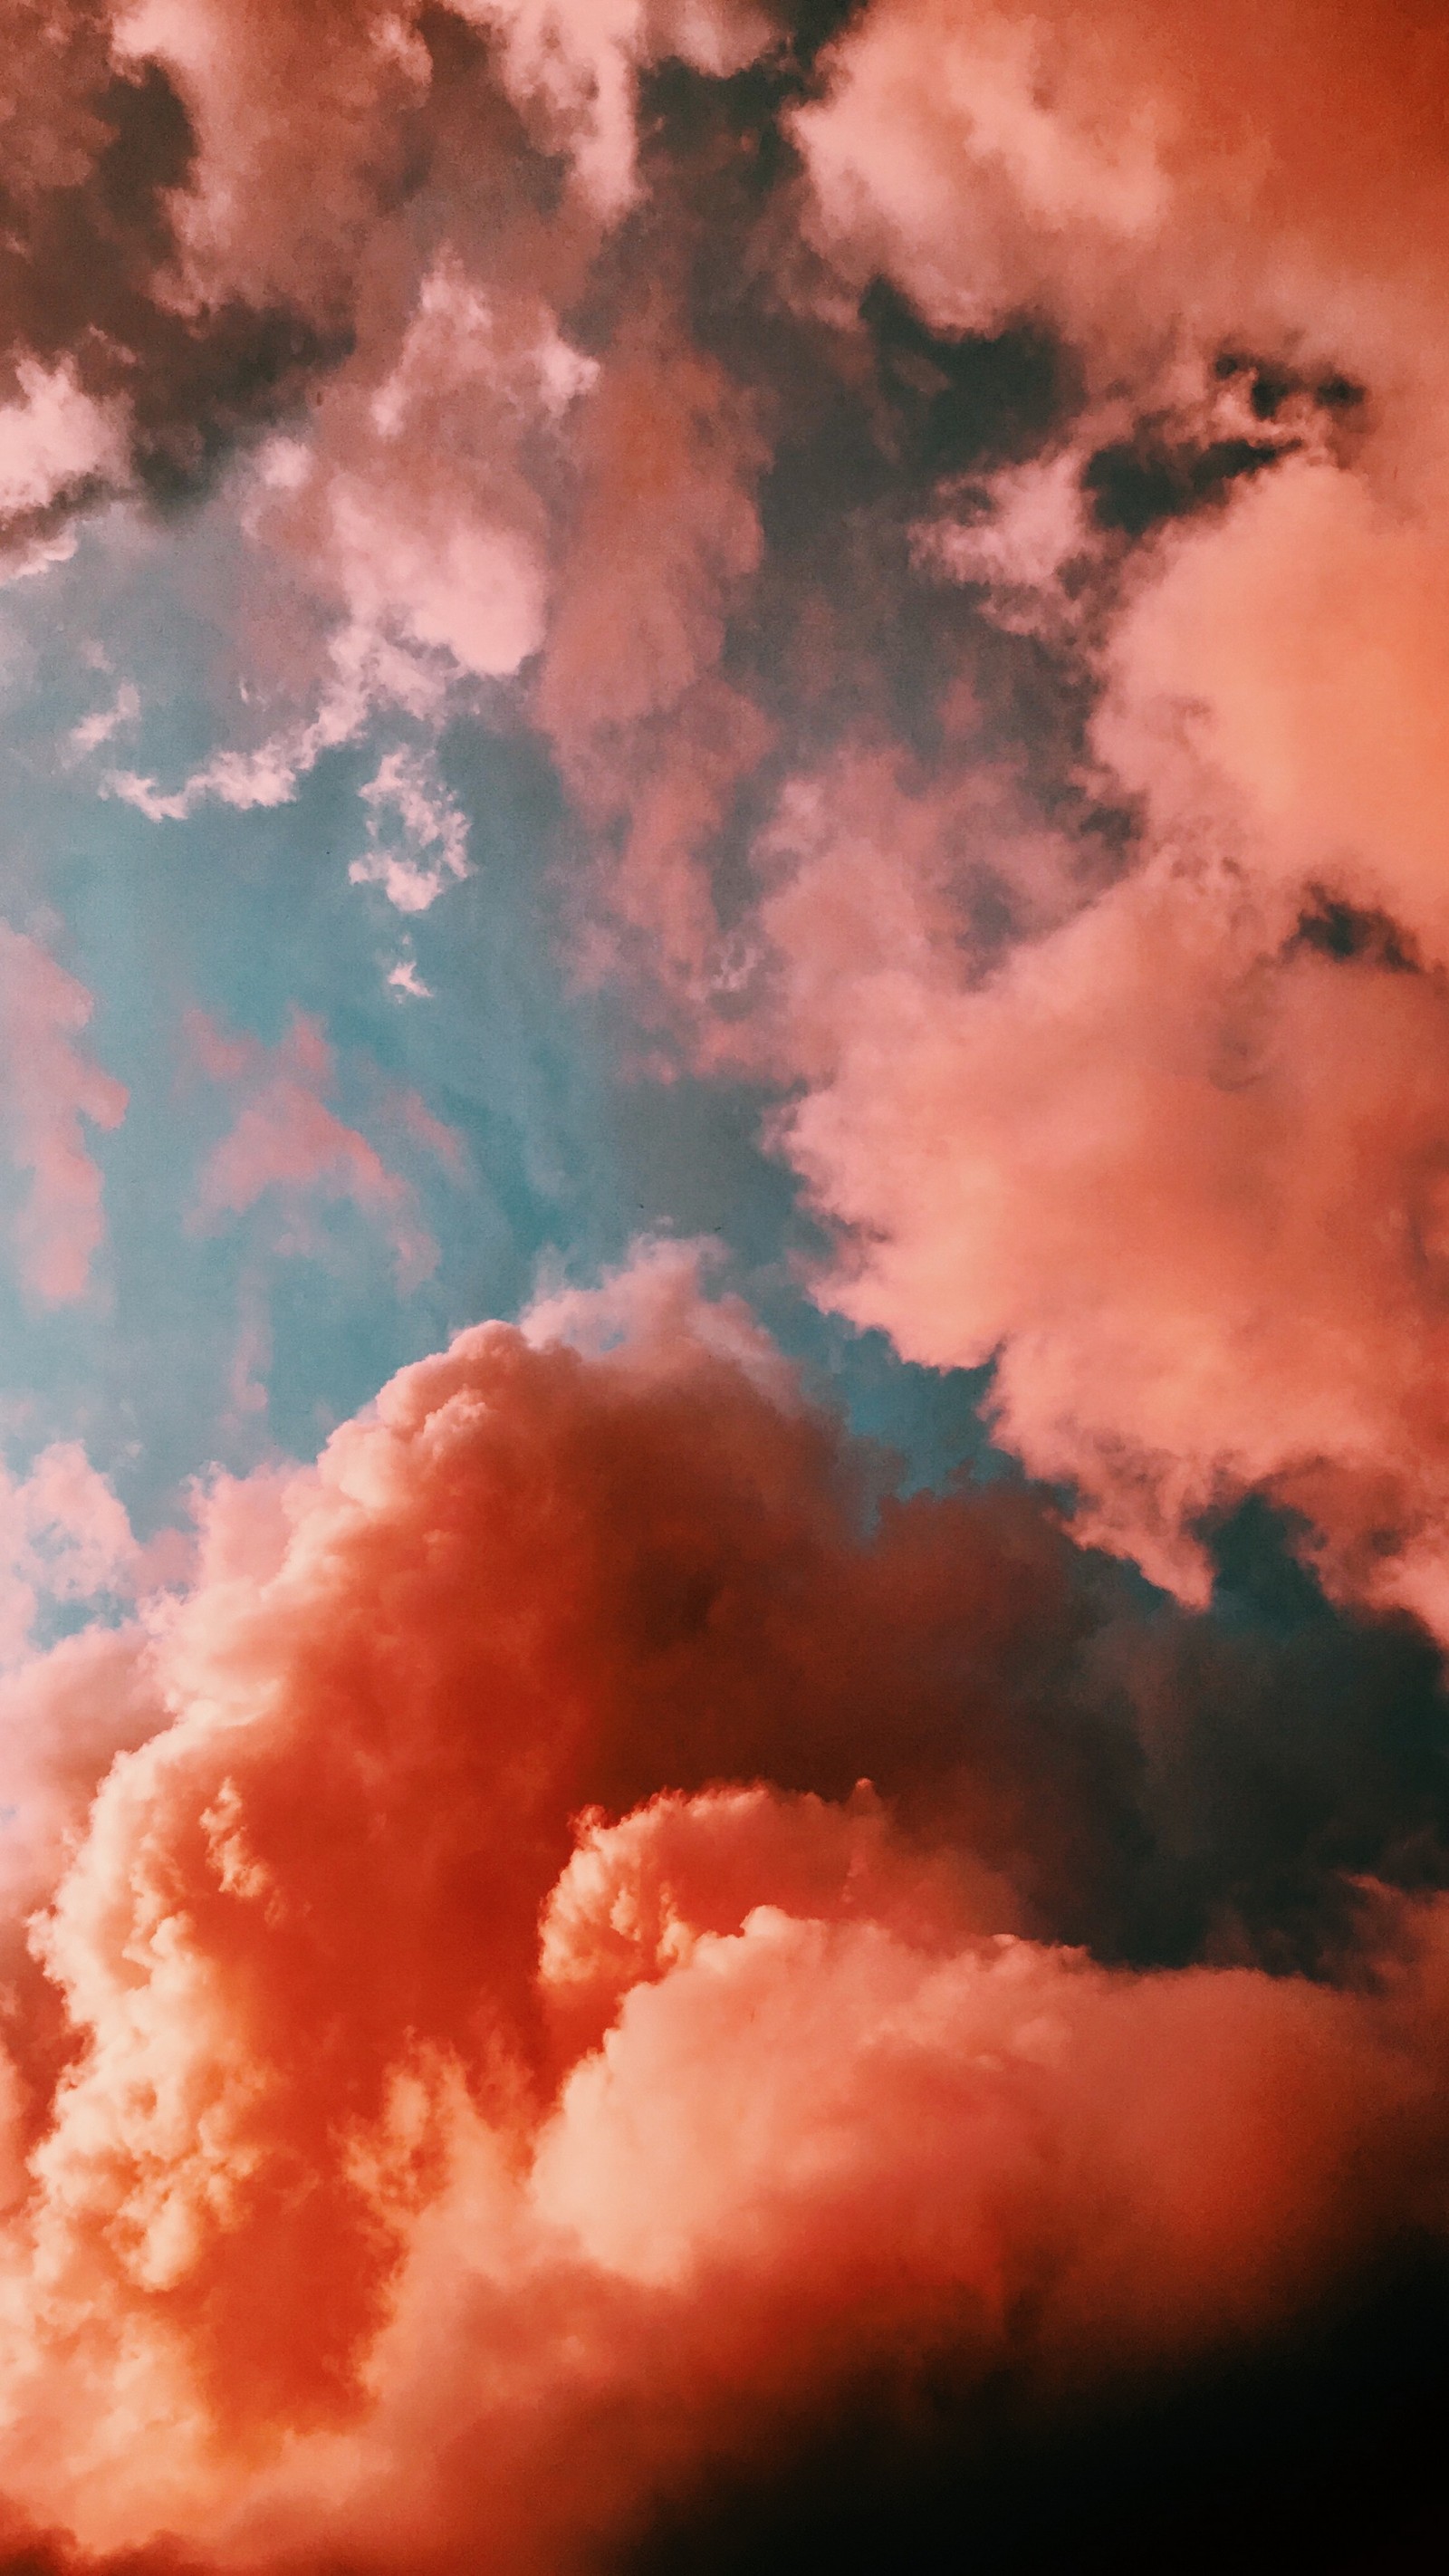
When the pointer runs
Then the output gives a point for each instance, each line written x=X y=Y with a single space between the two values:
x=205 y=207
x=488 y=2101
x=1124 y=615
x=1236 y=1050
x=592 y=1931
x=1202 y=1232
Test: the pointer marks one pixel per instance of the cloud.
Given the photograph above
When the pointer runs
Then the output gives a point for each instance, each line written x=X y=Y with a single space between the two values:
x=361 y=673
x=93 y=730
x=114 y=383
x=405 y=978
x=54 y=441
x=433 y=831
x=1122 y=619
x=288 y=1149
x=1027 y=531
x=1164 y=1162
x=573 y=66
x=51 y=1085
x=65 y=1536
x=434 y=528
x=494 y=2096
x=650 y=736
x=1169 y=1152
x=207 y=213
x=591 y=1931
x=1152 y=175
x=412 y=520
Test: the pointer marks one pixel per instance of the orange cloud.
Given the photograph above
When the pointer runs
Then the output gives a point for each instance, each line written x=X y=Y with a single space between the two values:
x=475 y=2122
x=1171 y=1158
x=485 y=2053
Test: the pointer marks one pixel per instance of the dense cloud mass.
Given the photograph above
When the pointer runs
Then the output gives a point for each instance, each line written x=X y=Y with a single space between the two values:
x=430 y=2133
x=589 y=1976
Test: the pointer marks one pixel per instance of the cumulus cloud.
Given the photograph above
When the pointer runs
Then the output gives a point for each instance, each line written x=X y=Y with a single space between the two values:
x=490 y=2096
x=1177 y=1164
x=1153 y=175
x=1235 y=1049
x=605 y=1927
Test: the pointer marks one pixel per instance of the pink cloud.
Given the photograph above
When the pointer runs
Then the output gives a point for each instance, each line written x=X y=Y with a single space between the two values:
x=488 y=2090
x=64 y=1535
x=55 y=437
x=1163 y=1153
x=51 y=1087
x=288 y=1147
x=651 y=738
x=426 y=848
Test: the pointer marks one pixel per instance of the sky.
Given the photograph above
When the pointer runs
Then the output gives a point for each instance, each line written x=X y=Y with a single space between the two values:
x=724 y=1286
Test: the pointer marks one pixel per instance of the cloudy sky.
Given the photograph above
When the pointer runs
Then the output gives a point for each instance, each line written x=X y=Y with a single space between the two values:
x=724 y=1285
